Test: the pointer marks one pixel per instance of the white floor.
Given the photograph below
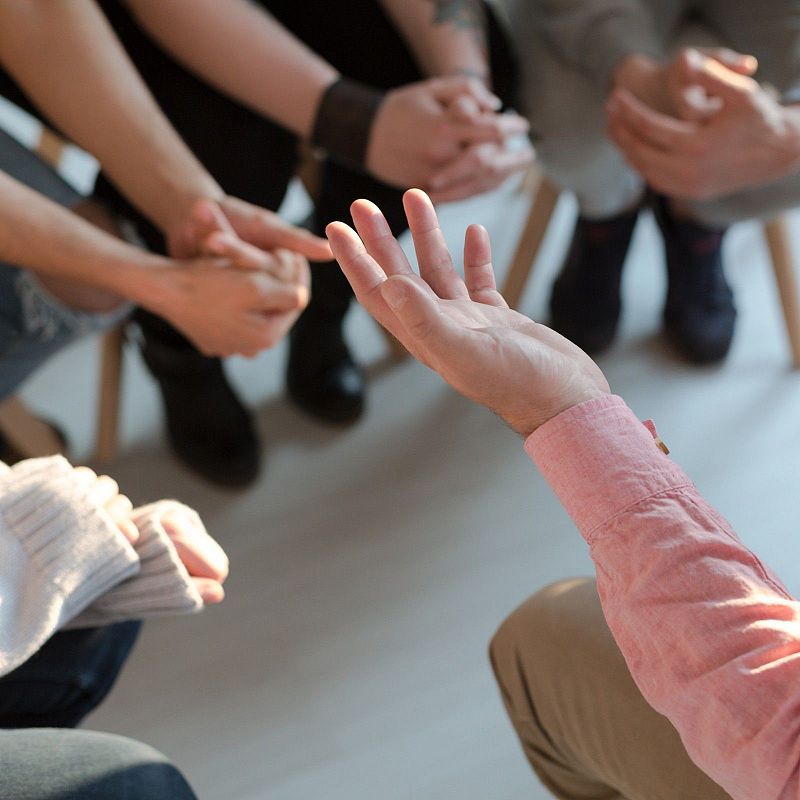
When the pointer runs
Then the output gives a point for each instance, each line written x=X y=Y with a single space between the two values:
x=370 y=567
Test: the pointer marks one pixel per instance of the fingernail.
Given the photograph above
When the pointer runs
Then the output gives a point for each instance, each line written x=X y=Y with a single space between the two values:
x=394 y=293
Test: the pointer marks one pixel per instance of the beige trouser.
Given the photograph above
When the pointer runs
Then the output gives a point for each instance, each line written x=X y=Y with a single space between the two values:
x=584 y=726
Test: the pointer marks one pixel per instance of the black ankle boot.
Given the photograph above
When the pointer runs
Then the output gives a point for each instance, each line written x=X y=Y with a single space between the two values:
x=585 y=303
x=699 y=315
x=321 y=375
x=208 y=427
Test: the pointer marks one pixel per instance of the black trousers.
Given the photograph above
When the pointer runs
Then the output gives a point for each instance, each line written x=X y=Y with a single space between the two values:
x=254 y=158
x=67 y=678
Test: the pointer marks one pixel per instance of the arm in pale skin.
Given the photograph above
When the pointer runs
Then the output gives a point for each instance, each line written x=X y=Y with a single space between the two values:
x=243 y=51
x=447 y=37
x=221 y=309
x=40 y=235
x=88 y=86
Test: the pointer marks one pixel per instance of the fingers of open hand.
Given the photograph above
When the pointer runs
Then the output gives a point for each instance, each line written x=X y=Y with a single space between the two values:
x=364 y=273
x=377 y=238
x=478 y=270
x=200 y=554
x=361 y=270
x=435 y=263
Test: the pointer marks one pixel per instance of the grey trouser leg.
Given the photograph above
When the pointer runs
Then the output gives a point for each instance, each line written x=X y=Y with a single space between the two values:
x=80 y=765
x=568 y=120
x=583 y=725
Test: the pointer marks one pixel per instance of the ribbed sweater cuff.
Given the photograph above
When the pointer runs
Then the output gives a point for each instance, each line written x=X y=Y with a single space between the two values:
x=161 y=587
x=71 y=542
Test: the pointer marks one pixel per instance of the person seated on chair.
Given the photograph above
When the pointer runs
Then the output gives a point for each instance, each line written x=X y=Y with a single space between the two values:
x=388 y=93
x=242 y=278
x=64 y=276
x=704 y=137
x=79 y=569
x=709 y=635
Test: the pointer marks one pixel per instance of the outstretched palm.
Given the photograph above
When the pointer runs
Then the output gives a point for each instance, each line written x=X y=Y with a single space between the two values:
x=465 y=331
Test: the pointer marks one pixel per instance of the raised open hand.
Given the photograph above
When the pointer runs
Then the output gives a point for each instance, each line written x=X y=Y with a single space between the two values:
x=465 y=331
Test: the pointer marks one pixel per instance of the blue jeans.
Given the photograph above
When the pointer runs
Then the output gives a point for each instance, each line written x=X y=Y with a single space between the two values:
x=55 y=690
x=34 y=325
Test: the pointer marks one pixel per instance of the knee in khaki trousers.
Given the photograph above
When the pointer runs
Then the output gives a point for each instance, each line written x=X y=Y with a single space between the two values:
x=583 y=725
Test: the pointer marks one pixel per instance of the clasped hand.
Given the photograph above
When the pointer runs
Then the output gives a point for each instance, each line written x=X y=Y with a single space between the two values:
x=701 y=127
x=446 y=136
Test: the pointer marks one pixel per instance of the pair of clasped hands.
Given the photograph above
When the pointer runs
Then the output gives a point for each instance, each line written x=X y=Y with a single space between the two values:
x=701 y=126
x=443 y=134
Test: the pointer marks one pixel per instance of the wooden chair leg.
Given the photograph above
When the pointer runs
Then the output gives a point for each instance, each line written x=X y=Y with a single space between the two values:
x=108 y=401
x=26 y=433
x=542 y=208
x=778 y=241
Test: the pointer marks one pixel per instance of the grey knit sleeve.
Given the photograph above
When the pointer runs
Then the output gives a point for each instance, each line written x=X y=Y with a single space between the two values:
x=162 y=585
x=594 y=37
x=59 y=552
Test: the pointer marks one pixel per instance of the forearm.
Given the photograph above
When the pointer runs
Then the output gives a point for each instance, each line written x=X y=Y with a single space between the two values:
x=709 y=634
x=40 y=235
x=596 y=37
x=89 y=88
x=243 y=51
x=447 y=37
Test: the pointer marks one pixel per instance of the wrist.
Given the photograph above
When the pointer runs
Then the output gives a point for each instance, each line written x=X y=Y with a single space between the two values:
x=344 y=120
x=145 y=279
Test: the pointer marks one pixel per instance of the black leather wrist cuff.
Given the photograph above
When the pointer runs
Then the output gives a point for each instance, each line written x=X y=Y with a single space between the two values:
x=344 y=121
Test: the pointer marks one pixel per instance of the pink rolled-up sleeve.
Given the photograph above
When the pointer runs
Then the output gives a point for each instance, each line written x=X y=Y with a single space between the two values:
x=709 y=633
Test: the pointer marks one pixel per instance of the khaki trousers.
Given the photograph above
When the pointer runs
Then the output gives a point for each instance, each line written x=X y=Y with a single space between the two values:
x=585 y=728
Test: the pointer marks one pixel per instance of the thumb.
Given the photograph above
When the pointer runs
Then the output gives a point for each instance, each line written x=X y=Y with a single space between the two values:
x=425 y=329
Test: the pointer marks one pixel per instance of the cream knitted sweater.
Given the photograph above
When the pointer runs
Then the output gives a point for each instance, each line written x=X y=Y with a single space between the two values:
x=64 y=563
